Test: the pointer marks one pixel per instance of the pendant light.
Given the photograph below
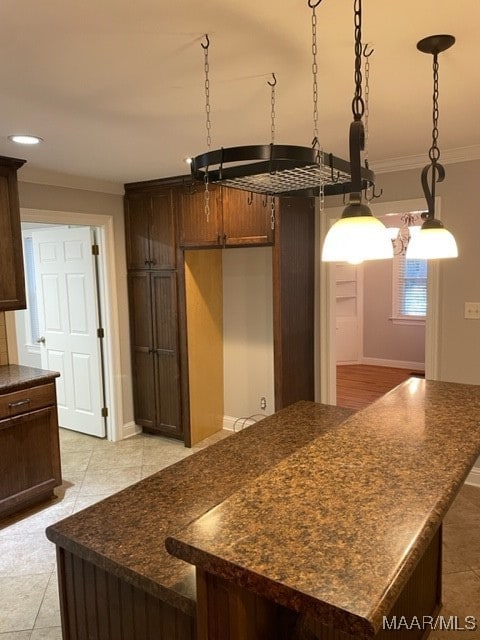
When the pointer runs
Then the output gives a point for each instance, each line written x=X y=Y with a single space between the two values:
x=433 y=240
x=357 y=236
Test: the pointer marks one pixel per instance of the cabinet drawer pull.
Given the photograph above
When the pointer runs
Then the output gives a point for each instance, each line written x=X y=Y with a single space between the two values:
x=147 y=262
x=19 y=403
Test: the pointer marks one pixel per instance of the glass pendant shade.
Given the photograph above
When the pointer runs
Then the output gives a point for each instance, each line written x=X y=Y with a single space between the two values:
x=355 y=239
x=432 y=243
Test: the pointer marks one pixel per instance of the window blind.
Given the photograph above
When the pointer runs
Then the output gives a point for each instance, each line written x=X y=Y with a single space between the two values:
x=409 y=288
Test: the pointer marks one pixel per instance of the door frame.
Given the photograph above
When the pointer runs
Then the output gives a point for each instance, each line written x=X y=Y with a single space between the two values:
x=109 y=304
x=326 y=391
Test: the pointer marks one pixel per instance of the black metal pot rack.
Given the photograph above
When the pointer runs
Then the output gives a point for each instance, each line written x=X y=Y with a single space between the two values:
x=281 y=170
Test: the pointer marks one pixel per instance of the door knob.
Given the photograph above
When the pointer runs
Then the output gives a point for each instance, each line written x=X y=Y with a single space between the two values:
x=42 y=340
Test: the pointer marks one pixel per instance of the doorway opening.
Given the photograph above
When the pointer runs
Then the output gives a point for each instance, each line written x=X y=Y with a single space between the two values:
x=350 y=301
x=107 y=394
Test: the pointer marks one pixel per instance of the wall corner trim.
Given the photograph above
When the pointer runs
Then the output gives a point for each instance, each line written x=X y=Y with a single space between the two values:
x=130 y=429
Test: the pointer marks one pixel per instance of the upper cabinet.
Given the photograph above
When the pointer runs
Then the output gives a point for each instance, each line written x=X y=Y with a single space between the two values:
x=150 y=230
x=12 y=279
x=236 y=218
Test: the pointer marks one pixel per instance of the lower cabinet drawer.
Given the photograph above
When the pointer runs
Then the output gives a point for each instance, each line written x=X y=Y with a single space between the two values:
x=18 y=402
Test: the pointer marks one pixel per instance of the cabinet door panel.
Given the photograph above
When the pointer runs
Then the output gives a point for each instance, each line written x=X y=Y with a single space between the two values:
x=246 y=221
x=137 y=220
x=195 y=230
x=12 y=282
x=167 y=376
x=162 y=232
x=142 y=347
x=167 y=369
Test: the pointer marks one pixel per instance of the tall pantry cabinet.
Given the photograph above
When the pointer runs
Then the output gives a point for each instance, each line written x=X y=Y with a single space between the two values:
x=173 y=256
x=153 y=302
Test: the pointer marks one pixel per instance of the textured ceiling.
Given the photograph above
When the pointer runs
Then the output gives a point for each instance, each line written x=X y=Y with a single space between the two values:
x=116 y=87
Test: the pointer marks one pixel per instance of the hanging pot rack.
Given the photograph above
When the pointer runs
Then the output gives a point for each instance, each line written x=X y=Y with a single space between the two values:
x=277 y=170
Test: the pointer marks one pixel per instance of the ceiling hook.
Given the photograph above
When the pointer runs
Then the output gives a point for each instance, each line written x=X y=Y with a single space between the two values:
x=312 y=5
x=273 y=82
x=365 y=54
x=205 y=46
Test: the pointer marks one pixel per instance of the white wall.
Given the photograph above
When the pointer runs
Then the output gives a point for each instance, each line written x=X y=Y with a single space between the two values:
x=248 y=330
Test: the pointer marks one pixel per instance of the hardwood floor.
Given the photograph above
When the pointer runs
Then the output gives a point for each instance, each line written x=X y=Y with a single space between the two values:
x=358 y=385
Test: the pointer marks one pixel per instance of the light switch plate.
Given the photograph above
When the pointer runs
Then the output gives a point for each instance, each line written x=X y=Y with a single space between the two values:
x=472 y=310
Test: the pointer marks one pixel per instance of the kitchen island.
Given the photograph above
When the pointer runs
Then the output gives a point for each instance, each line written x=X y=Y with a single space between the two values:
x=345 y=533
x=115 y=575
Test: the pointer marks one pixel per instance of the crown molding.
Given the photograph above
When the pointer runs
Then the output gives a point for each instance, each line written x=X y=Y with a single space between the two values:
x=35 y=175
x=449 y=156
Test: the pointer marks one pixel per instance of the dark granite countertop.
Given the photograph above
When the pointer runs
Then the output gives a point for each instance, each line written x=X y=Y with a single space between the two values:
x=14 y=377
x=336 y=529
x=125 y=533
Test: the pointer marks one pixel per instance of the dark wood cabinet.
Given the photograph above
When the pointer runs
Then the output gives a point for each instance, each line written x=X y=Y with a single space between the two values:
x=246 y=219
x=150 y=230
x=30 y=446
x=163 y=219
x=12 y=279
x=155 y=352
x=236 y=219
x=195 y=230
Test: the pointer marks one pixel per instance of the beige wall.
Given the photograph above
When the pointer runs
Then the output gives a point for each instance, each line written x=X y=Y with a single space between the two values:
x=82 y=201
x=381 y=337
x=248 y=330
x=3 y=340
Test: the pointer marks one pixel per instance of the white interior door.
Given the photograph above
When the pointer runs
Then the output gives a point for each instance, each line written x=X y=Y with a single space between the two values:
x=67 y=311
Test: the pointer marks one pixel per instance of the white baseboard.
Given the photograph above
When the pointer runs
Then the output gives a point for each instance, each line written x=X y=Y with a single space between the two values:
x=473 y=477
x=130 y=429
x=398 y=364
x=237 y=424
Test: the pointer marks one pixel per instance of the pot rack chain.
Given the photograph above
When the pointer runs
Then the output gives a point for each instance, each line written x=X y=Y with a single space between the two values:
x=208 y=123
x=272 y=83
x=316 y=142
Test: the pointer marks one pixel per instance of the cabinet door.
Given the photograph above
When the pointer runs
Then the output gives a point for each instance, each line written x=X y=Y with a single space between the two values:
x=162 y=231
x=195 y=229
x=142 y=347
x=246 y=218
x=137 y=223
x=12 y=282
x=165 y=340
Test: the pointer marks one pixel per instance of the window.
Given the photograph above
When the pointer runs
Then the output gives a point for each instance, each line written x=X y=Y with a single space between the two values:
x=409 y=290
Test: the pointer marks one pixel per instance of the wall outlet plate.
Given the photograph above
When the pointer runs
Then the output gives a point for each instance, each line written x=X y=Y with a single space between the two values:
x=472 y=310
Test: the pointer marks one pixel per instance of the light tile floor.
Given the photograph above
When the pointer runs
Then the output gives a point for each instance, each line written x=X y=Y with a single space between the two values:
x=93 y=469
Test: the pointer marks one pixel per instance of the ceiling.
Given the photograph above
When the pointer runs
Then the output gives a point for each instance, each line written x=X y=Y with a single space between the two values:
x=116 y=88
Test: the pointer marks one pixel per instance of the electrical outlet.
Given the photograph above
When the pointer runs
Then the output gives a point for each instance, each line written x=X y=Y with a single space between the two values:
x=263 y=403
x=472 y=310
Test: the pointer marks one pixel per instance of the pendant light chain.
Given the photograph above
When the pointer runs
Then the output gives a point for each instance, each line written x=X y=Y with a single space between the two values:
x=272 y=85
x=358 y=106
x=208 y=124
x=367 y=100
x=434 y=151
x=316 y=141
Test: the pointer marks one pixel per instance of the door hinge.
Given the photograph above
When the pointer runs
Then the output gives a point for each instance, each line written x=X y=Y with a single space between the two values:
x=100 y=333
x=104 y=412
x=95 y=250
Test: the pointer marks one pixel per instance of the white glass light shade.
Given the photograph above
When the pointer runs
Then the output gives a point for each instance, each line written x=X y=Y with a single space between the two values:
x=429 y=244
x=356 y=239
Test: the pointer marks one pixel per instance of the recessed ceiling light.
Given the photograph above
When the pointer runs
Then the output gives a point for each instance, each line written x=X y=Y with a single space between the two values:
x=25 y=139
